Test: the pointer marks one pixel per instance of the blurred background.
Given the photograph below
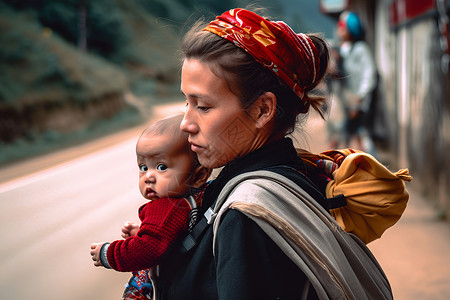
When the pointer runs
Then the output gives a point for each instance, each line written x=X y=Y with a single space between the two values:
x=80 y=79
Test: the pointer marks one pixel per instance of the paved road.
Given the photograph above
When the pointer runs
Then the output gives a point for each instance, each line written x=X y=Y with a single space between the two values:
x=415 y=253
x=50 y=218
x=53 y=207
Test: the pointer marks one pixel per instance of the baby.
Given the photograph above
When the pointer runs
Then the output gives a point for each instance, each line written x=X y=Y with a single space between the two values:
x=168 y=170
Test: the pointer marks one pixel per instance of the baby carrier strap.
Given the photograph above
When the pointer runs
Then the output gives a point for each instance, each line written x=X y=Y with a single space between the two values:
x=196 y=229
x=302 y=180
x=193 y=236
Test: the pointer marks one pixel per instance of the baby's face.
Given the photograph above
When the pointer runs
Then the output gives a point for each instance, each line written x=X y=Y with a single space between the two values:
x=165 y=166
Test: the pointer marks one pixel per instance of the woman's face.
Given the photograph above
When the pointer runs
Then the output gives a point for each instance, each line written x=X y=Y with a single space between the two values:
x=218 y=127
x=342 y=30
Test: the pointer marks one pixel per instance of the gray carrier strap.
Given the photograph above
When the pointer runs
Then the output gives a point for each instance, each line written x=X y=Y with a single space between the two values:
x=338 y=264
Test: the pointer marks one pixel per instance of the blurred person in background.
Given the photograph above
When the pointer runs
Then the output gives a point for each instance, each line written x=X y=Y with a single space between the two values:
x=358 y=78
x=169 y=172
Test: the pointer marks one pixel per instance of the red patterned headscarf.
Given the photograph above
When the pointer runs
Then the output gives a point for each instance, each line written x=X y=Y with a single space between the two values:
x=292 y=57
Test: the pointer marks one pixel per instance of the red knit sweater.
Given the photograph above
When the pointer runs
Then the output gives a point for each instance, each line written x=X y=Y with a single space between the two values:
x=162 y=222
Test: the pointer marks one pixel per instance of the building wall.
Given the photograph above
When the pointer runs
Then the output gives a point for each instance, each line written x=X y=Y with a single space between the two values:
x=416 y=96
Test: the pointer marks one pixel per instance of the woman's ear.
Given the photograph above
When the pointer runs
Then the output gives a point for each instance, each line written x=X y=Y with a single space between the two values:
x=263 y=109
x=201 y=175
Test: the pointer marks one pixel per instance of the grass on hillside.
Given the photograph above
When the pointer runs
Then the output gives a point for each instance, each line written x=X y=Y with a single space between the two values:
x=38 y=67
x=54 y=140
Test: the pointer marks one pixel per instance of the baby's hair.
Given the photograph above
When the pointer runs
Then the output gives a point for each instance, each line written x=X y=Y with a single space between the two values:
x=170 y=126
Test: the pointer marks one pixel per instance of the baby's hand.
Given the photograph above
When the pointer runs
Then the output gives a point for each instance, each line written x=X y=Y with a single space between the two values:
x=129 y=229
x=95 y=253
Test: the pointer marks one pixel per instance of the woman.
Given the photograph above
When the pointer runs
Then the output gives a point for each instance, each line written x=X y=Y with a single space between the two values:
x=245 y=79
x=360 y=79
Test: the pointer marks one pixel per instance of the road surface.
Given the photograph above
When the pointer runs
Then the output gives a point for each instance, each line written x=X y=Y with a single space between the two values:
x=50 y=217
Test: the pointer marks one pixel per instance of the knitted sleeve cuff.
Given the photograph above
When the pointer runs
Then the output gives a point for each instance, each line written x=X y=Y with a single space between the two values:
x=104 y=256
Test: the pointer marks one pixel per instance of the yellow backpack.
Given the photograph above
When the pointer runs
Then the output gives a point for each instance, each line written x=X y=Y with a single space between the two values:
x=376 y=197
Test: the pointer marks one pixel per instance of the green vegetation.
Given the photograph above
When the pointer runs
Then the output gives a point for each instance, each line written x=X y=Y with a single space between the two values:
x=52 y=140
x=67 y=67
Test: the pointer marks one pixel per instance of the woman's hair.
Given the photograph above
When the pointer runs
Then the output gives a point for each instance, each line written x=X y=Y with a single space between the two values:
x=247 y=78
x=353 y=24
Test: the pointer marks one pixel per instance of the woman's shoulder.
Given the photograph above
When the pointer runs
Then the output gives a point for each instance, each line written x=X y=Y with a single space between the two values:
x=249 y=187
x=261 y=189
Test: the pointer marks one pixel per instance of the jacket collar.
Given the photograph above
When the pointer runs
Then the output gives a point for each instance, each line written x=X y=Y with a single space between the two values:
x=280 y=152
